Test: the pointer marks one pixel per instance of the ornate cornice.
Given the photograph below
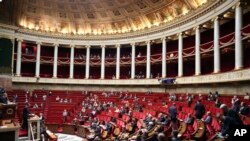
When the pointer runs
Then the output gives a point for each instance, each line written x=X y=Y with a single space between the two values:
x=179 y=25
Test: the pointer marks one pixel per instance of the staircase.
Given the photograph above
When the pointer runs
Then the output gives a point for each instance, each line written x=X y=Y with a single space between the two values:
x=46 y=108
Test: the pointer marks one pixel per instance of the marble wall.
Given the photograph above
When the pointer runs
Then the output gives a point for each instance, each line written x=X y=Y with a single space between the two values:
x=239 y=88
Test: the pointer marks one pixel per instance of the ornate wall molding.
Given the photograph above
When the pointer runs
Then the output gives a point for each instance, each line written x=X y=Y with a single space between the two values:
x=85 y=81
x=239 y=75
x=178 y=26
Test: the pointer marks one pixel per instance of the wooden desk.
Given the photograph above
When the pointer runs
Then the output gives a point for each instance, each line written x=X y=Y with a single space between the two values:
x=51 y=136
x=182 y=129
x=9 y=132
x=52 y=127
x=68 y=129
x=200 y=131
x=83 y=131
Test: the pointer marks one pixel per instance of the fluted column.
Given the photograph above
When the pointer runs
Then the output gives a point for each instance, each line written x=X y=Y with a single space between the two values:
x=13 y=55
x=55 y=61
x=71 y=70
x=180 y=56
x=238 y=40
x=38 y=55
x=216 y=45
x=197 y=52
x=148 y=59
x=133 y=61
x=103 y=62
x=164 y=61
x=87 y=61
x=19 y=57
x=118 y=48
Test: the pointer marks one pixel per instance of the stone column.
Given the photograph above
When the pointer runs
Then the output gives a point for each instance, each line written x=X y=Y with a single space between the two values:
x=197 y=51
x=118 y=54
x=13 y=56
x=133 y=61
x=55 y=61
x=38 y=55
x=19 y=57
x=164 y=61
x=71 y=70
x=180 y=56
x=216 y=45
x=238 y=40
x=103 y=62
x=87 y=61
x=148 y=59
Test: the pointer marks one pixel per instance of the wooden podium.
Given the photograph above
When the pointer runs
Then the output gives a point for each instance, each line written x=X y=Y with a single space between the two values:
x=34 y=131
x=9 y=129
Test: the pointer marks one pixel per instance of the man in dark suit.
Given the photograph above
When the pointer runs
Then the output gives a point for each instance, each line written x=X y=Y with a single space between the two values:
x=3 y=96
x=173 y=113
x=231 y=113
x=200 y=109
x=227 y=124
x=26 y=113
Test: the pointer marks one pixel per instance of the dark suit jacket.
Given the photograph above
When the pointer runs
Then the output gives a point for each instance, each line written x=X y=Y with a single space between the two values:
x=26 y=113
x=244 y=111
x=233 y=114
x=200 y=109
x=3 y=99
x=173 y=112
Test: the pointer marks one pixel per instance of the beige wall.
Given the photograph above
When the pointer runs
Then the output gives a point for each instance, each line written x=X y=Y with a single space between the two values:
x=223 y=88
x=6 y=81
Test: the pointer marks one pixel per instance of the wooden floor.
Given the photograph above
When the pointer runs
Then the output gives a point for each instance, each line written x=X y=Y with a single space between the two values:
x=61 y=137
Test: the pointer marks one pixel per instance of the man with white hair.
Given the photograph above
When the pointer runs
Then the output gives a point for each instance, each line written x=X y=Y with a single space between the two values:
x=147 y=119
x=231 y=113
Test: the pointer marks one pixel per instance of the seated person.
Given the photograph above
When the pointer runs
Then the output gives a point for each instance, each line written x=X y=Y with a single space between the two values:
x=66 y=100
x=161 y=137
x=217 y=103
x=109 y=127
x=97 y=133
x=150 y=125
x=123 y=134
x=57 y=98
x=147 y=119
x=163 y=119
x=190 y=121
x=175 y=136
x=75 y=122
x=244 y=109
x=3 y=96
x=208 y=118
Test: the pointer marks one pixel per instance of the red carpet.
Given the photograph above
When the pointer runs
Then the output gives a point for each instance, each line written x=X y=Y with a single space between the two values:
x=23 y=133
